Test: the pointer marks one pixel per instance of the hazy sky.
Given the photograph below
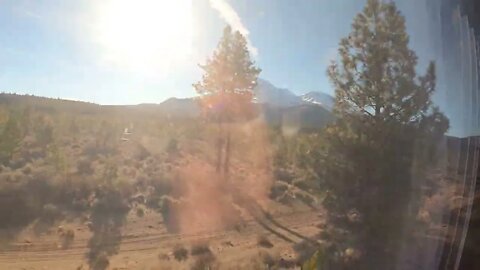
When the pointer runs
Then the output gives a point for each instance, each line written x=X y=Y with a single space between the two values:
x=146 y=51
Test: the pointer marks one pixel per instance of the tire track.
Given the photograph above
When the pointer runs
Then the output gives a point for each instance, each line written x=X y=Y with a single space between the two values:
x=144 y=242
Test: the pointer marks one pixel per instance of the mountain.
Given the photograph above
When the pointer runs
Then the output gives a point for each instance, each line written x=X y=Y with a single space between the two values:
x=319 y=98
x=265 y=92
x=294 y=118
x=180 y=107
x=278 y=106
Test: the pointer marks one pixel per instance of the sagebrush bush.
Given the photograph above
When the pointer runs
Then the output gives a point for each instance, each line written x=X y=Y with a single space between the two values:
x=304 y=185
x=172 y=146
x=108 y=215
x=263 y=241
x=278 y=189
x=27 y=169
x=305 y=198
x=180 y=253
x=268 y=259
x=100 y=262
x=205 y=261
x=284 y=175
x=140 y=212
x=167 y=209
x=67 y=237
x=84 y=166
x=304 y=251
x=51 y=212
x=200 y=249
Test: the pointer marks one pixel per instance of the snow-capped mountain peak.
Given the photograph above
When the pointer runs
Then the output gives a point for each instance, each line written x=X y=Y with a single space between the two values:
x=266 y=92
x=319 y=98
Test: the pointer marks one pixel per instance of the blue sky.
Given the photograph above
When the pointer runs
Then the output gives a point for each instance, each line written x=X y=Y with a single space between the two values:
x=47 y=47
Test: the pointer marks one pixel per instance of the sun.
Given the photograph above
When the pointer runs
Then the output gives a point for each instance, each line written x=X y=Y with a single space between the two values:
x=147 y=35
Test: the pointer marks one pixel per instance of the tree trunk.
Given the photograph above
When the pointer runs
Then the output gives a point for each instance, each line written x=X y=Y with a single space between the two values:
x=219 y=146
x=226 y=166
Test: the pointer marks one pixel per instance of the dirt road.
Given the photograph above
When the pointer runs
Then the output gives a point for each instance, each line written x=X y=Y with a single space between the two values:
x=147 y=245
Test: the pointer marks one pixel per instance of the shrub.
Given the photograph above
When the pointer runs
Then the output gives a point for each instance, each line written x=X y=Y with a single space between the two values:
x=44 y=134
x=140 y=212
x=141 y=153
x=286 y=264
x=304 y=250
x=286 y=199
x=10 y=138
x=163 y=257
x=263 y=241
x=172 y=146
x=268 y=259
x=200 y=249
x=180 y=253
x=67 y=238
x=108 y=214
x=50 y=212
x=304 y=185
x=101 y=262
x=205 y=261
x=277 y=190
x=153 y=201
x=84 y=167
x=162 y=186
x=305 y=198
x=167 y=210
x=27 y=169
x=284 y=175
x=324 y=235
x=91 y=150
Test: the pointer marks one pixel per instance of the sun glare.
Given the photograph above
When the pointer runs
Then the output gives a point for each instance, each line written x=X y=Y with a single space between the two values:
x=146 y=35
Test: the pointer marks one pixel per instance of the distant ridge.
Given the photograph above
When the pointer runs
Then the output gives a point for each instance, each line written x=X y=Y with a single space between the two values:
x=278 y=106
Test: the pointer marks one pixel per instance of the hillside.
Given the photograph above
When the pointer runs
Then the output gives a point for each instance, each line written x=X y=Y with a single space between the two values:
x=299 y=116
x=129 y=186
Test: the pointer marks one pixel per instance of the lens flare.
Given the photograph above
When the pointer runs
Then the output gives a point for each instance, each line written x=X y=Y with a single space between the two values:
x=146 y=35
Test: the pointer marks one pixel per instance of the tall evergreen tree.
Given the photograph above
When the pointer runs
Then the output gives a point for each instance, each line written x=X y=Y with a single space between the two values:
x=226 y=88
x=383 y=140
x=10 y=137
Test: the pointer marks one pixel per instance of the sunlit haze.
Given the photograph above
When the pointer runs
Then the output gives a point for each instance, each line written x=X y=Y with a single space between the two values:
x=145 y=35
x=239 y=134
x=146 y=51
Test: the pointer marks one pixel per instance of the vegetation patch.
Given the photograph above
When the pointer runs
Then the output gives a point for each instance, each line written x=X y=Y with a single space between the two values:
x=264 y=242
x=200 y=249
x=180 y=253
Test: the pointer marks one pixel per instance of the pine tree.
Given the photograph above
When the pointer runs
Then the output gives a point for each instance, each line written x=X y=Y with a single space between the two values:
x=226 y=89
x=383 y=139
x=10 y=138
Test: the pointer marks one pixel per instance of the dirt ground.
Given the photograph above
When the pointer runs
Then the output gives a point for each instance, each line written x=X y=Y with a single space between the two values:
x=146 y=244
